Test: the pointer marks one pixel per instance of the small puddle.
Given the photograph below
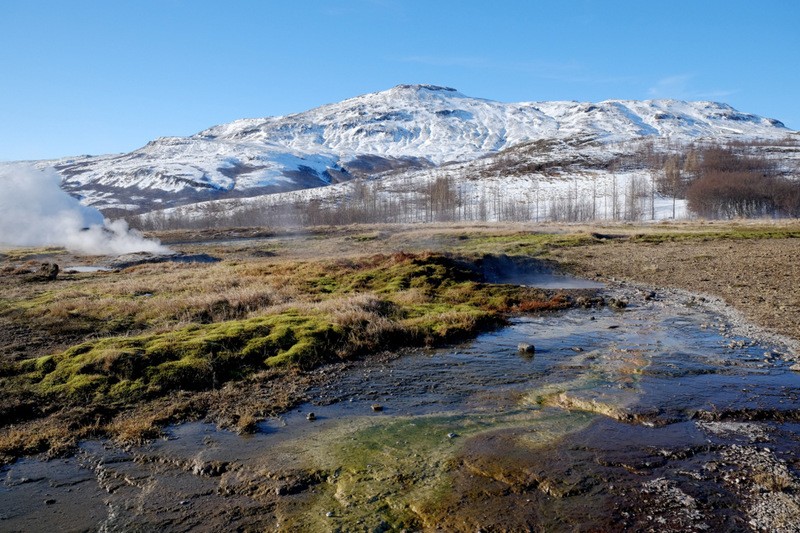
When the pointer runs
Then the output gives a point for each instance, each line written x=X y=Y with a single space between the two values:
x=614 y=410
x=86 y=269
x=531 y=273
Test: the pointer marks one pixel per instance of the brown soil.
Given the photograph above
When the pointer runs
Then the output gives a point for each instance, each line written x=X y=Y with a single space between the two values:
x=498 y=484
x=759 y=277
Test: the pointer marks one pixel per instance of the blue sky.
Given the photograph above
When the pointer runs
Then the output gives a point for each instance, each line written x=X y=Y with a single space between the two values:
x=94 y=77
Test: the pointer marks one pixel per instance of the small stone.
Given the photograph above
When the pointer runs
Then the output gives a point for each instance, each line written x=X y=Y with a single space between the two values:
x=48 y=271
x=577 y=349
x=329 y=514
x=617 y=303
x=311 y=416
x=795 y=367
x=49 y=501
x=525 y=348
x=377 y=407
x=452 y=435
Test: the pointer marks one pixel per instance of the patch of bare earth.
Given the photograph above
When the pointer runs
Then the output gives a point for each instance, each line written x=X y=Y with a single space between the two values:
x=759 y=277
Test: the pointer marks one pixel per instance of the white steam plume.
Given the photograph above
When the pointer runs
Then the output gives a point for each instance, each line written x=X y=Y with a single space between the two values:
x=35 y=211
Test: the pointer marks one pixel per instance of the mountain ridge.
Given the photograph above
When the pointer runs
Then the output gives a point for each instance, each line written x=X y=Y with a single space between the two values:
x=405 y=127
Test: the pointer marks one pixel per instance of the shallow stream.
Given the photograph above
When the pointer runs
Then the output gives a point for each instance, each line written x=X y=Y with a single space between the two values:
x=658 y=416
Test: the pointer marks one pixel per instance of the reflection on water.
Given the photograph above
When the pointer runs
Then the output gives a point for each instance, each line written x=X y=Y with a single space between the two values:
x=617 y=385
x=531 y=273
x=86 y=269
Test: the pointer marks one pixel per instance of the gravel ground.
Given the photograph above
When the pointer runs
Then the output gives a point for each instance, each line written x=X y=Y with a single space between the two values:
x=760 y=278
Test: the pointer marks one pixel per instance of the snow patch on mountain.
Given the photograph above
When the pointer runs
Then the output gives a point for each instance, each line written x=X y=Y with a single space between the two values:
x=408 y=127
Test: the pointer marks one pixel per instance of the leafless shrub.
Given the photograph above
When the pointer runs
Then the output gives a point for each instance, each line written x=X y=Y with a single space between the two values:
x=735 y=185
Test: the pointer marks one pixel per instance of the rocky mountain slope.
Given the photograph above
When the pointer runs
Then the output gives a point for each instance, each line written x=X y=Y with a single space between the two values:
x=406 y=128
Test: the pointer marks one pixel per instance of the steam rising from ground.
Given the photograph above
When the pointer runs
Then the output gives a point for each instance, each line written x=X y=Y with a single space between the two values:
x=35 y=211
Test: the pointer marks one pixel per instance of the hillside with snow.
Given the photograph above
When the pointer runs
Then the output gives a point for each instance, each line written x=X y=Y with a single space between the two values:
x=407 y=130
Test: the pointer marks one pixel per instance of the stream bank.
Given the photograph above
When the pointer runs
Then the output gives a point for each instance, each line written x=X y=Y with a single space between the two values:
x=664 y=415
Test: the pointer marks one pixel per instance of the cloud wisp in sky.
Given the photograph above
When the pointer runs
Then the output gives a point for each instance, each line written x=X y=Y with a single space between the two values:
x=35 y=211
x=679 y=86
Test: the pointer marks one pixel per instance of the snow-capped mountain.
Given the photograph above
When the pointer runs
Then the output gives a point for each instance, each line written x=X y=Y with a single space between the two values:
x=406 y=127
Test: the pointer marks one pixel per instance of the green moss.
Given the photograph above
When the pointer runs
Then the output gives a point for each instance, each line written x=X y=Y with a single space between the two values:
x=523 y=243
x=400 y=272
x=193 y=358
x=324 y=284
x=428 y=299
x=30 y=303
x=40 y=364
x=748 y=233
x=387 y=301
x=83 y=387
x=187 y=373
x=438 y=323
x=127 y=391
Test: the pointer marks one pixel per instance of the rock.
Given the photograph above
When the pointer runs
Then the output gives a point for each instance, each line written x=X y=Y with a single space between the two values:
x=587 y=303
x=524 y=348
x=329 y=514
x=617 y=303
x=452 y=435
x=311 y=416
x=377 y=407
x=577 y=349
x=48 y=271
x=210 y=469
x=49 y=501
x=141 y=258
x=795 y=367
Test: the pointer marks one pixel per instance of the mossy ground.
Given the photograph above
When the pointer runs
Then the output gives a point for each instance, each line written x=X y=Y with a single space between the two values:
x=395 y=472
x=82 y=355
x=151 y=330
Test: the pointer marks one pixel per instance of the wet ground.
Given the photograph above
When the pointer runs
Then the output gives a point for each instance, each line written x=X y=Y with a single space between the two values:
x=656 y=417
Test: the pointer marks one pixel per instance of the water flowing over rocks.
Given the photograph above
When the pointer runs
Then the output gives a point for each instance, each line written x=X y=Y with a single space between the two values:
x=667 y=418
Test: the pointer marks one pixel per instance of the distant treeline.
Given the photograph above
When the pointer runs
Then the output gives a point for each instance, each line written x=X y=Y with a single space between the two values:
x=730 y=185
x=716 y=181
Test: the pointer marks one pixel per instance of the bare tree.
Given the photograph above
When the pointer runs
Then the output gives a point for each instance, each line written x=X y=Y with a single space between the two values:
x=671 y=182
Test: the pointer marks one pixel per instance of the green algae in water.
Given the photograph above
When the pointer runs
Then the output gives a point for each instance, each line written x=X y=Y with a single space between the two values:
x=380 y=472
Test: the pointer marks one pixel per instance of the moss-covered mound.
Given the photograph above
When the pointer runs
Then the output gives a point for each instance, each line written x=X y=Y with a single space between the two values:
x=265 y=315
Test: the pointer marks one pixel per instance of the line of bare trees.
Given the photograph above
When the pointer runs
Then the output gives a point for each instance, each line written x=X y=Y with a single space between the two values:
x=716 y=182
x=733 y=185
x=727 y=181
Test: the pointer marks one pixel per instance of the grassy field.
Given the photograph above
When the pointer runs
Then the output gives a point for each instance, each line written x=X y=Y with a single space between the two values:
x=121 y=353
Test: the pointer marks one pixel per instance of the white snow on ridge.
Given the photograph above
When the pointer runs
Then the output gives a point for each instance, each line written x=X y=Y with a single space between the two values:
x=429 y=123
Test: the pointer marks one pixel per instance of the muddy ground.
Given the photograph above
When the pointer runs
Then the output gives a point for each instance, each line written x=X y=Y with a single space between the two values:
x=758 y=277
x=498 y=481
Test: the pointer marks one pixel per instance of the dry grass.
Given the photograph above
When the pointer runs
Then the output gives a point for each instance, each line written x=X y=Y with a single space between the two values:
x=136 y=336
x=77 y=347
